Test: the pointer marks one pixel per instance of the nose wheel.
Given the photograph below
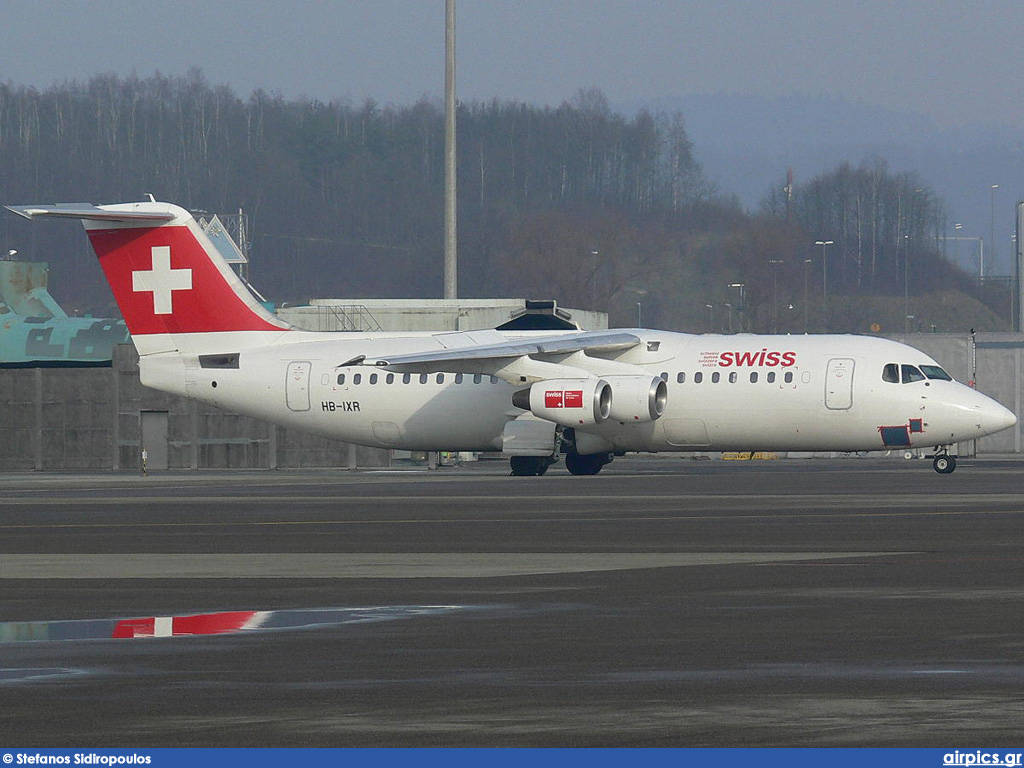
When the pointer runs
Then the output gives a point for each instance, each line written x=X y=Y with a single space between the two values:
x=944 y=464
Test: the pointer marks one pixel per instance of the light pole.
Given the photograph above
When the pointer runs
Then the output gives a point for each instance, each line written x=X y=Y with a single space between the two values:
x=992 y=232
x=727 y=304
x=775 y=263
x=806 y=263
x=956 y=244
x=906 y=283
x=711 y=317
x=740 y=308
x=824 y=277
x=640 y=293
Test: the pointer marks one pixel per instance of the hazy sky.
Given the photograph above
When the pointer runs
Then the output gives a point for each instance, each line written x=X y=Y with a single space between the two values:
x=952 y=61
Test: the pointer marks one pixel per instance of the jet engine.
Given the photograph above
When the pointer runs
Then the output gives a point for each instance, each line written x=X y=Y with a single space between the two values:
x=637 y=398
x=569 y=402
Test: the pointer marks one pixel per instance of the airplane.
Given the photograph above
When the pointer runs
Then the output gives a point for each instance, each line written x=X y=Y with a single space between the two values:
x=533 y=395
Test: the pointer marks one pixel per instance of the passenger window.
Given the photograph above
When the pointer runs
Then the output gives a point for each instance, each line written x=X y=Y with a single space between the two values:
x=789 y=377
x=771 y=377
x=680 y=378
x=390 y=378
x=373 y=378
x=911 y=374
x=440 y=378
x=341 y=378
x=934 y=372
x=733 y=376
x=891 y=373
x=406 y=378
x=494 y=379
x=716 y=377
x=357 y=378
x=753 y=377
x=423 y=378
x=477 y=378
x=458 y=378
x=698 y=377
x=664 y=376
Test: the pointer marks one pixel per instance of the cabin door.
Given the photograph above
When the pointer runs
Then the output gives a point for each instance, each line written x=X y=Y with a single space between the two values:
x=297 y=386
x=839 y=384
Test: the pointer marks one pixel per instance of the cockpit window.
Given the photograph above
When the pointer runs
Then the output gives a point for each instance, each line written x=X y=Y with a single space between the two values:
x=911 y=374
x=934 y=372
x=891 y=373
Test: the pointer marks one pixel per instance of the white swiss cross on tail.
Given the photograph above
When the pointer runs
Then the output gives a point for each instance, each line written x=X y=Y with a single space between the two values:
x=161 y=280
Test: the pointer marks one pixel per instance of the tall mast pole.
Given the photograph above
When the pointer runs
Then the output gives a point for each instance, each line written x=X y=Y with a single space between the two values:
x=451 y=282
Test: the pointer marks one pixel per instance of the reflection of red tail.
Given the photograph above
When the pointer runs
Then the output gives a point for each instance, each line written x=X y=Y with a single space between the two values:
x=166 y=275
x=177 y=626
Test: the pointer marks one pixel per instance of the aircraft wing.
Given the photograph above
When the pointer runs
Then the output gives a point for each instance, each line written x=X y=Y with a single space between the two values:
x=506 y=358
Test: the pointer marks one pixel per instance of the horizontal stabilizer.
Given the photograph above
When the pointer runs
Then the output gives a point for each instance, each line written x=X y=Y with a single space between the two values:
x=90 y=212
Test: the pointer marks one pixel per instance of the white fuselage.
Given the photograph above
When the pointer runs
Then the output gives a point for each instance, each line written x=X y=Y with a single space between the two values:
x=736 y=392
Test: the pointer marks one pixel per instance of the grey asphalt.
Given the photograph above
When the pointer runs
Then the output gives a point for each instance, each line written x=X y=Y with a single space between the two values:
x=665 y=602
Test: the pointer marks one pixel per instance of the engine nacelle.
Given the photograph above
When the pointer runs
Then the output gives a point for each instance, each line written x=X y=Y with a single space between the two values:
x=637 y=398
x=569 y=402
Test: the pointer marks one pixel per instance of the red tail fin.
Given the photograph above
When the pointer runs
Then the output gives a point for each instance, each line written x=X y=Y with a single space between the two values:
x=166 y=276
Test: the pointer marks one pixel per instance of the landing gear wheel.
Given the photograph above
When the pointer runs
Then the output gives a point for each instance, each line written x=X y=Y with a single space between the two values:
x=944 y=464
x=529 y=466
x=585 y=464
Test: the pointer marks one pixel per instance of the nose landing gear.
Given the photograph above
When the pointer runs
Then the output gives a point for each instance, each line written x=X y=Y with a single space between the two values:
x=943 y=463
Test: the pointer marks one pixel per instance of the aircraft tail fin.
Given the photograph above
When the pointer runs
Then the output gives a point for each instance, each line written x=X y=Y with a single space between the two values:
x=170 y=282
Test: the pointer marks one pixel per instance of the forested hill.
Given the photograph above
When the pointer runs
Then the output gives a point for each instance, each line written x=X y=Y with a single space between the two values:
x=575 y=203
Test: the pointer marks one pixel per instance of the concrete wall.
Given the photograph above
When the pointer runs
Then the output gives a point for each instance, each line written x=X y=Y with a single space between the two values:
x=55 y=419
x=420 y=314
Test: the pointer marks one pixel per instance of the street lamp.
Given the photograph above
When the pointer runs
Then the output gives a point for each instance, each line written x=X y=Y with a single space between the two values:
x=711 y=317
x=992 y=232
x=775 y=263
x=906 y=282
x=824 y=276
x=739 y=307
x=727 y=304
x=806 y=262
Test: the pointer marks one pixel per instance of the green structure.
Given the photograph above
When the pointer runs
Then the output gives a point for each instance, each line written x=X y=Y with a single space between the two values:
x=36 y=332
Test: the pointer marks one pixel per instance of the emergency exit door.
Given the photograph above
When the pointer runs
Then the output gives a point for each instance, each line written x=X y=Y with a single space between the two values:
x=839 y=384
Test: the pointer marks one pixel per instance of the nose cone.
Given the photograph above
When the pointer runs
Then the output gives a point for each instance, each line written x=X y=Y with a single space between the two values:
x=992 y=417
x=972 y=415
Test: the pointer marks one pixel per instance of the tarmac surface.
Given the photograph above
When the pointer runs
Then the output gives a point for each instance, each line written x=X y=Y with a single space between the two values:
x=664 y=602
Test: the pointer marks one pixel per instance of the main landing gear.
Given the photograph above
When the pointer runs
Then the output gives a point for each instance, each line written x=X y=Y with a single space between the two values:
x=943 y=463
x=530 y=466
x=576 y=463
x=586 y=464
